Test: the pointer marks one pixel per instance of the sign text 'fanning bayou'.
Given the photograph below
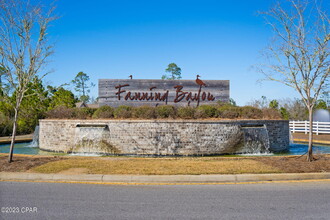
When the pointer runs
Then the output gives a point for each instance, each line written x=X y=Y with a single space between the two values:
x=138 y=92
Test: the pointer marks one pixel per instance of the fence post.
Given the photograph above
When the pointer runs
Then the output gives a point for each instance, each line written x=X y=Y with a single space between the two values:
x=305 y=127
x=293 y=126
x=317 y=128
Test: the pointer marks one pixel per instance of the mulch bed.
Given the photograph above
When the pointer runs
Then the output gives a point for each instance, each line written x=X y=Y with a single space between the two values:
x=298 y=164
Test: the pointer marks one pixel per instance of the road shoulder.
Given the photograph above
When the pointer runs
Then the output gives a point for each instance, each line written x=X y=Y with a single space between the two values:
x=161 y=179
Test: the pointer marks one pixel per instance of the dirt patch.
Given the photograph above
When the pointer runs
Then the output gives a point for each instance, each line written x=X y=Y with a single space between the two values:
x=24 y=163
x=320 y=137
x=298 y=164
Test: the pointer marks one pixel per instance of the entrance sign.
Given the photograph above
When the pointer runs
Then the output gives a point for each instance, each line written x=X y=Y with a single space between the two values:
x=138 y=92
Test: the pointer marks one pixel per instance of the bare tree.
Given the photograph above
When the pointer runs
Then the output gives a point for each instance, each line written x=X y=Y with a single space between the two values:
x=296 y=108
x=299 y=55
x=263 y=102
x=24 y=47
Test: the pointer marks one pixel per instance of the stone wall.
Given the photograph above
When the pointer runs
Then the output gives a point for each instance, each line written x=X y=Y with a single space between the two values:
x=156 y=137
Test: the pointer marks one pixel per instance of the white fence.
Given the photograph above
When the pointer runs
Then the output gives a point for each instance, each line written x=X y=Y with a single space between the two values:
x=303 y=126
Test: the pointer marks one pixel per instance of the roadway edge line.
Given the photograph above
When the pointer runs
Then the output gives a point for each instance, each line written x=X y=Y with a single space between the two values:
x=168 y=183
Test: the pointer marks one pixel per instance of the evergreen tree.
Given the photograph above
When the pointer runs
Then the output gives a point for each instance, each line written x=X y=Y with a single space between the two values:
x=82 y=86
x=174 y=70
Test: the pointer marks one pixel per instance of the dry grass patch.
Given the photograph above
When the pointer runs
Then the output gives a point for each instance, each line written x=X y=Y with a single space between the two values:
x=158 y=166
x=23 y=163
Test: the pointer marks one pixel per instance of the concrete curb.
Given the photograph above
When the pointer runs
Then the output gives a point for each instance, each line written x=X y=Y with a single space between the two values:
x=99 y=178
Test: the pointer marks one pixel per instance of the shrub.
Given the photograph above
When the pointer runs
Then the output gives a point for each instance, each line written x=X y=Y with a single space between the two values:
x=25 y=127
x=104 y=112
x=6 y=109
x=186 y=112
x=206 y=111
x=165 y=111
x=123 y=111
x=83 y=113
x=250 y=112
x=6 y=125
x=146 y=111
x=231 y=102
x=228 y=111
x=60 y=112
x=62 y=97
x=271 y=113
x=273 y=104
x=284 y=113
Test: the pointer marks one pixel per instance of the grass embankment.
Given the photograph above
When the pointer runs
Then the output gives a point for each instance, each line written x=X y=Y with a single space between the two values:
x=158 y=166
x=164 y=166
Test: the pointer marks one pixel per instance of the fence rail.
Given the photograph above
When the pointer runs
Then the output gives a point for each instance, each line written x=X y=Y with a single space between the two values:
x=303 y=127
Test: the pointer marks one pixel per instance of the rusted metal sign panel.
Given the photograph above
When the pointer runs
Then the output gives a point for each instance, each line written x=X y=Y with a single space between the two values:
x=137 y=92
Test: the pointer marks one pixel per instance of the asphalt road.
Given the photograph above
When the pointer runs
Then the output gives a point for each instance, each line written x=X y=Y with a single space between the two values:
x=241 y=201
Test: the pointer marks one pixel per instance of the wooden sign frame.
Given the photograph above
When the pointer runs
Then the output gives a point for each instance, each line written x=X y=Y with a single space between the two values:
x=138 y=92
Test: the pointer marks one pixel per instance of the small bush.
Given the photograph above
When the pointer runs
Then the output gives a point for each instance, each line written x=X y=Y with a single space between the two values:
x=206 y=111
x=146 y=112
x=271 y=113
x=186 y=112
x=104 y=112
x=250 y=112
x=123 y=111
x=223 y=103
x=284 y=113
x=228 y=111
x=165 y=111
x=60 y=112
x=83 y=113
